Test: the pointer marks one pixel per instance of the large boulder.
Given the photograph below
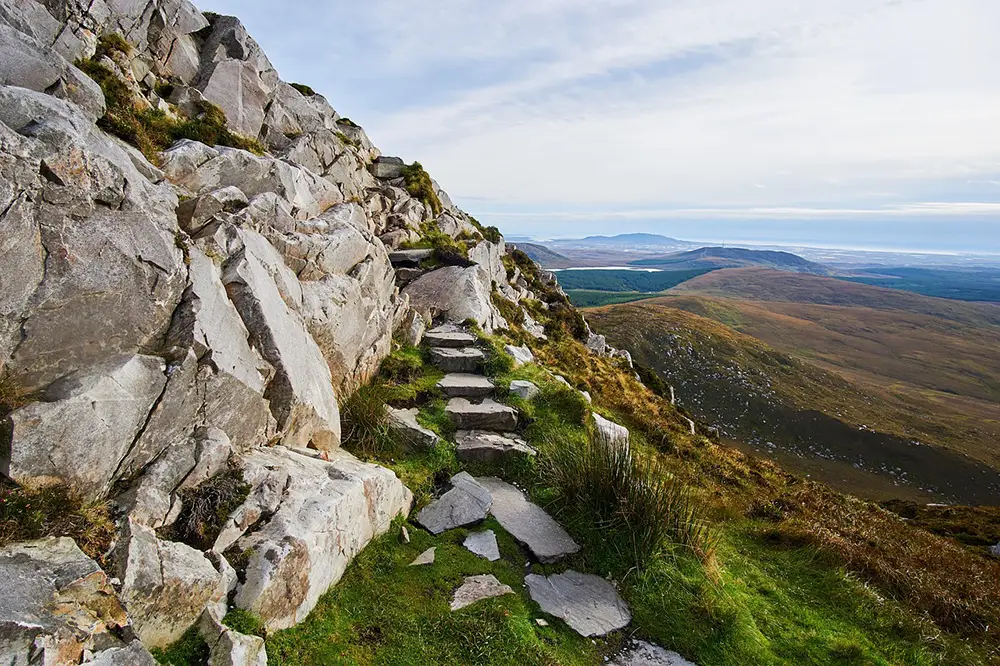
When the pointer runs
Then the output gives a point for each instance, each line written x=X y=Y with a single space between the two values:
x=327 y=512
x=30 y=64
x=301 y=393
x=95 y=273
x=201 y=169
x=56 y=603
x=85 y=425
x=456 y=294
x=165 y=585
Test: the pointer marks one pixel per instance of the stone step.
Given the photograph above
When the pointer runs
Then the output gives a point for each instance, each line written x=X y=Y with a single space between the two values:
x=485 y=446
x=589 y=604
x=527 y=522
x=449 y=338
x=466 y=503
x=448 y=359
x=410 y=258
x=487 y=415
x=641 y=653
x=465 y=385
x=404 y=423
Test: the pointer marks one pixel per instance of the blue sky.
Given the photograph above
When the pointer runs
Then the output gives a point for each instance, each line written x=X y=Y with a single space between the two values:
x=858 y=122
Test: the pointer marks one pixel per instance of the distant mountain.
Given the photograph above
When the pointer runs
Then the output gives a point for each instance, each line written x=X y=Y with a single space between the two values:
x=733 y=257
x=543 y=255
x=621 y=240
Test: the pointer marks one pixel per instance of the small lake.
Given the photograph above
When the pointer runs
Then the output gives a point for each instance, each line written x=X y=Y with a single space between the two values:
x=608 y=268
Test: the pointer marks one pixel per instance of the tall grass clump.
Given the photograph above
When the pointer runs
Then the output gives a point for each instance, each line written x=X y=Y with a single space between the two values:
x=634 y=503
x=419 y=186
x=364 y=423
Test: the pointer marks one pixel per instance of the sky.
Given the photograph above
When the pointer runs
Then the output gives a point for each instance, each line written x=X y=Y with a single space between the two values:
x=863 y=123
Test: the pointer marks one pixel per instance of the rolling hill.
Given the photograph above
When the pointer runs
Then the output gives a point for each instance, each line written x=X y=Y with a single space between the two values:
x=832 y=378
x=543 y=256
x=733 y=257
x=621 y=240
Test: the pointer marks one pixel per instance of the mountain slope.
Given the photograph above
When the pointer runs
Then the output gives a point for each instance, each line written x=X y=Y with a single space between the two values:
x=543 y=256
x=730 y=257
x=847 y=435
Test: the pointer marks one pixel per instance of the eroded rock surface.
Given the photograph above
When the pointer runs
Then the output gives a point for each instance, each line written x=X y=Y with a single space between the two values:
x=589 y=604
x=527 y=522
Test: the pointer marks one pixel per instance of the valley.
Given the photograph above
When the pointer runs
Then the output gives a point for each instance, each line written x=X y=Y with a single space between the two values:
x=878 y=392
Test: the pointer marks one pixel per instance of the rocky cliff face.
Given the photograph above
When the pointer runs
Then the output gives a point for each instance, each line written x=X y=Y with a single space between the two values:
x=180 y=310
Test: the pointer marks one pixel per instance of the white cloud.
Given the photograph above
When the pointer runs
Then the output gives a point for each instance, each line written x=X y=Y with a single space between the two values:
x=664 y=104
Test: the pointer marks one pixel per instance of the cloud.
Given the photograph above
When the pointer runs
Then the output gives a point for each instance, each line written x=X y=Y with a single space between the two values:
x=693 y=105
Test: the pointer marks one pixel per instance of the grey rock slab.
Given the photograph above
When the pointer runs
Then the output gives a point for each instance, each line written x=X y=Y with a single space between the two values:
x=521 y=355
x=410 y=258
x=456 y=293
x=404 y=423
x=435 y=338
x=487 y=415
x=641 y=653
x=524 y=389
x=477 y=588
x=86 y=425
x=34 y=629
x=466 y=503
x=483 y=544
x=589 y=604
x=166 y=585
x=487 y=446
x=424 y=558
x=134 y=654
x=995 y=550
x=527 y=522
x=465 y=385
x=610 y=432
x=322 y=514
x=465 y=360
x=387 y=168
x=301 y=393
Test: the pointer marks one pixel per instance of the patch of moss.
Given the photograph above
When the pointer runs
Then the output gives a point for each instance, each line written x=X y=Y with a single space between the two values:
x=189 y=650
x=348 y=122
x=304 y=89
x=348 y=140
x=151 y=130
x=111 y=43
x=419 y=185
x=245 y=622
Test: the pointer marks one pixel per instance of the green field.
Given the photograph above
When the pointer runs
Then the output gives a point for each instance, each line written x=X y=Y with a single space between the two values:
x=591 y=298
x=963 y=285
x=626 y=280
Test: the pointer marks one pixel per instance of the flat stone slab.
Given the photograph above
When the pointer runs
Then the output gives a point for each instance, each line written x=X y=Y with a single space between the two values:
x=589 y=604
x=641 y=653
x=466 y=359
x=466 y=503
x=436 y=338
x=404 y=423
x=424 y=558
x=521 y=355
x=465 y=385
x=477 y=588
x=487 y=415
x=486 y=446
x=527 y=522
x=483 y=544
x=524 y=389
x=409 y=257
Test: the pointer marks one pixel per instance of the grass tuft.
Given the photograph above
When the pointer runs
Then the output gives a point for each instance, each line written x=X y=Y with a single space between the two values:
x=151 y=130
x=28 y=513
x=206 y=509
x=365 y=423
x=304 y=89
x=419 y=185
x=633 y=501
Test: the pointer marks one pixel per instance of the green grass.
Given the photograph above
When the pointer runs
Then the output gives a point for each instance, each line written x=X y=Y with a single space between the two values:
x=304 y=89
x=245 y=622
x=151 y=130
x=591 y=298
x=385 y=612
x=189 y=650
x=419 y=185
x=625 y=280
x=365 y=423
